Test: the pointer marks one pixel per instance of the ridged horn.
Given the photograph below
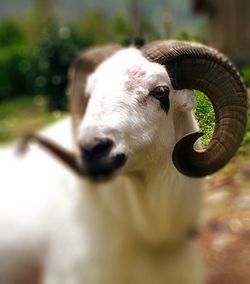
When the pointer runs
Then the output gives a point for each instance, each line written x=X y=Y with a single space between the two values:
x=195 y=66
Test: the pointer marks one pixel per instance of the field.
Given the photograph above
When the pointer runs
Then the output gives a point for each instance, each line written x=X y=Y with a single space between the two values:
x=21 y=115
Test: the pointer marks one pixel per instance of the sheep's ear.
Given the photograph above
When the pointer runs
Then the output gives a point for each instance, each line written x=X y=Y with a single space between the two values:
x=183 y=100
x=84 y=65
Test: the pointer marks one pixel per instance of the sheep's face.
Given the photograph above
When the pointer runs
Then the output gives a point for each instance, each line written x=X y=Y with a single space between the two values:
x=129 y=121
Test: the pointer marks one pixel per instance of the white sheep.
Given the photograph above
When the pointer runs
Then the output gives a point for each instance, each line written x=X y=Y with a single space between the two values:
x=135 y=195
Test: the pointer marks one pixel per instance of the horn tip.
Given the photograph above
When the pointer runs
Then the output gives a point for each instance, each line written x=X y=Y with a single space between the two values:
x=181 y=152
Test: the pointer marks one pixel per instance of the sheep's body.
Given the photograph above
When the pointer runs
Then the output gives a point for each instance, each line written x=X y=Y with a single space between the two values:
x=134 y=228
x=98 y=254
x=134 y=233
x=126 y=231
x=33 y=205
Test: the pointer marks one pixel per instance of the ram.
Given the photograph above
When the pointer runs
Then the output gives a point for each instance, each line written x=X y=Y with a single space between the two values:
x=138 y=162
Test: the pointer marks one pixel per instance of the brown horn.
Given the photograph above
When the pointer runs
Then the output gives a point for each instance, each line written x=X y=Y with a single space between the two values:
x=195 y=66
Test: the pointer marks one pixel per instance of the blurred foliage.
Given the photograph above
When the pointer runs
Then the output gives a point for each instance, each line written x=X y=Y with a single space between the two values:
x=32 y=64
x=40 y=67
x=121 y=28
x=15 y=60
x=245 y=72
x=96 y=25
x=52 y=56
x=247 y=135
x=204 y=113
x=190 y=35
x=11 y=33
x=15 y=63
x=102 y=29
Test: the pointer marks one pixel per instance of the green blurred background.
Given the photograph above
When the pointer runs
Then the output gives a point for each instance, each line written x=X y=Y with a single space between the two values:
x=39 y=39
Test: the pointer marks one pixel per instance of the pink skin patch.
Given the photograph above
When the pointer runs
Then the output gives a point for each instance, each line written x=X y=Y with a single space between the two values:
x=136 y=71
x=135 y=76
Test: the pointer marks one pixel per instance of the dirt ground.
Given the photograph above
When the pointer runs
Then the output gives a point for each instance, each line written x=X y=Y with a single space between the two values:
x=225 y=237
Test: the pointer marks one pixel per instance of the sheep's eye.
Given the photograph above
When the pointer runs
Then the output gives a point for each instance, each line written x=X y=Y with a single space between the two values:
x=161 y=93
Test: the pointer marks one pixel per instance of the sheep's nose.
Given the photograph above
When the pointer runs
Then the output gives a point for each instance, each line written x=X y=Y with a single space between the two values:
x=99 y=148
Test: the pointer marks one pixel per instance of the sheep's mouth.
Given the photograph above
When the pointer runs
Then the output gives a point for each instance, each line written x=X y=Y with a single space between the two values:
x=104 y=169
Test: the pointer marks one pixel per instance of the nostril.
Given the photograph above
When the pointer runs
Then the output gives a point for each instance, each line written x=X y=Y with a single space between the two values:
x=99 y=148
x=102 y=147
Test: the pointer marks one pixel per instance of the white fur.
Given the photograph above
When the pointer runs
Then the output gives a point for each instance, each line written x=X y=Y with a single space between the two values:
x=134 y=228
x=36 y=194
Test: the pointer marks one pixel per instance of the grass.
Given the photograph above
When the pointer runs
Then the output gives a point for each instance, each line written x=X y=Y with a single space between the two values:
x=23 y=114
x=205 y=115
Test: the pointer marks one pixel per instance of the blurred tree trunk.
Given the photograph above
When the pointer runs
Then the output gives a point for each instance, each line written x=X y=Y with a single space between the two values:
x=135 y=15
x=229 y=27
x=46 y=8
x=42 y=11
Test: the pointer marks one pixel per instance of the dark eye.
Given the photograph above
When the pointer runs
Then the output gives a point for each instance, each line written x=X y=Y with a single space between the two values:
x=160 y=92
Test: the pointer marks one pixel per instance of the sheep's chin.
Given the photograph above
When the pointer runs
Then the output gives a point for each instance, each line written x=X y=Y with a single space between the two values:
x=100 y=178
x=106 y=169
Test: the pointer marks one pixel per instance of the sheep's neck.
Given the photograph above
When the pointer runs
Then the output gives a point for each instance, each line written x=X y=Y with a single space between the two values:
x=157 y=207
x=165 y=208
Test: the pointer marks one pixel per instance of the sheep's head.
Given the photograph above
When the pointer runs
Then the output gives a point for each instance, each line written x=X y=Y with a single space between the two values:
x=128 y=123
x=125 y=109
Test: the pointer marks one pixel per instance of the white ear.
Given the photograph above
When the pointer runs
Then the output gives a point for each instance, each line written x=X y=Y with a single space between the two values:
x=183 y=100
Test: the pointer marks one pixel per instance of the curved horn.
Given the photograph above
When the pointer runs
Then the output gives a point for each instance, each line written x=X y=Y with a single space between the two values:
x=195 y=66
